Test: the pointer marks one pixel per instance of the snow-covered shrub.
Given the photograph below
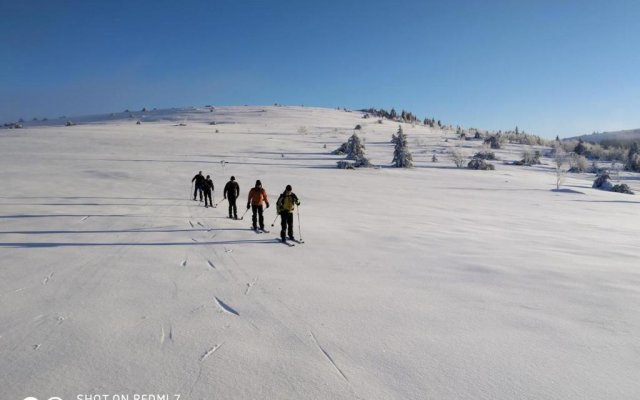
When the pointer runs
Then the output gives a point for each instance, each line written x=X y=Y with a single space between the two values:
x=559 y=158
x=434 y=158
x=578 y=163
x=633 y=158
x=477 y=163
x=493 y=142
x=458 y=157
x=402 y=157
x=358 y=127
x=603 y=182
x=342 y=150
x=69 y=123
x=485 y=155
x=530 y=158
x=345 y=164
x=622 y=188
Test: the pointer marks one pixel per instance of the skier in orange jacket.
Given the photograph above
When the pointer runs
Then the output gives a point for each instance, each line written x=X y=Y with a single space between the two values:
x=257 y=195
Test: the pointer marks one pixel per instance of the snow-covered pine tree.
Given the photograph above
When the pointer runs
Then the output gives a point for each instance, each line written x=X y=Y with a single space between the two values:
x=402 y=157
x=355 y=152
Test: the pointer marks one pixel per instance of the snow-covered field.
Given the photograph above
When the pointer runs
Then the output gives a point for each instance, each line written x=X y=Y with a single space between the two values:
x=429 y=283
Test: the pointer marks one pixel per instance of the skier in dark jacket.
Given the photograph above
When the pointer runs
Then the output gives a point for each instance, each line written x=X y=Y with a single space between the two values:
x=257 y=196
x=199 y=179
x=207 y=188
x=285 y=206
x=231 y=193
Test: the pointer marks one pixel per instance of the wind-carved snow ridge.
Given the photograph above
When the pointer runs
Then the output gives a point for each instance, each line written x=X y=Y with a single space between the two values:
x=328 y=357
x=225 y=308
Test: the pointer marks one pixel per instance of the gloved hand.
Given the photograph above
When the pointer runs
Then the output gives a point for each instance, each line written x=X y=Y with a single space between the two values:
x=224 y=198
x=298 y=203
x=248 y=206
x=267 y=205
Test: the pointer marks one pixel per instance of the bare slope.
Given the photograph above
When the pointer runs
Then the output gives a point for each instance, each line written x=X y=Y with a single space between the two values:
x=426 y=283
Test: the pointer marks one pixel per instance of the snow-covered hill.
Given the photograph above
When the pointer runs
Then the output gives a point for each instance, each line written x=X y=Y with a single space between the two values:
x=619 y=136
x=429 y=283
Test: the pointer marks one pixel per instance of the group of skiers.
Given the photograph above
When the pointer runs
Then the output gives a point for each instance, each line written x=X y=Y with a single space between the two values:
x=287 y=201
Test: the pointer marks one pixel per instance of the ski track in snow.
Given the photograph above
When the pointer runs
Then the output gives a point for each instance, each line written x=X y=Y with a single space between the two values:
x=225 y=308
x=84 y=218
x=328 y=357
x=200 y=307
x=183 y=263
x=210 y=352
x=211 y=265
x=191 y=223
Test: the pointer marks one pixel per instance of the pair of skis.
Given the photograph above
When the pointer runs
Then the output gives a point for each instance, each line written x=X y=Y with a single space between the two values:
x=287 y=242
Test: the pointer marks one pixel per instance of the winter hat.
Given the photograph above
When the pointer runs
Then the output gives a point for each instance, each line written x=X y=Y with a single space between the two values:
x=258 y=183
x=288 y=188
x=233 y=178
x=207 y=176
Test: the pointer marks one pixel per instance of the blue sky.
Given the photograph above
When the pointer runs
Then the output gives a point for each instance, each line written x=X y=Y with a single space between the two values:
x=550 y=67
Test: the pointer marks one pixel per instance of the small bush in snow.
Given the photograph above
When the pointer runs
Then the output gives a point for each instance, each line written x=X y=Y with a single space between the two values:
x=458 y=157
x=434 y=158
x=622 y=188
x=342 y=150
x=358 y=127
x=493 y=142
x=69 y=123
x=603 y=182
x=633 y=158
x=345 y=164
x=480 y=164
x=530 y=158
x=578 y=163
x=485 y=155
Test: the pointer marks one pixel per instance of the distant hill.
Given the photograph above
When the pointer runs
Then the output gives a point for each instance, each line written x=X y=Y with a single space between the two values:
x=625 y=136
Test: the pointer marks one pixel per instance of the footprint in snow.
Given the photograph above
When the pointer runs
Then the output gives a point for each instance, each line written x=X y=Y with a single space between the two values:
x=183 y=263
x=47 y=279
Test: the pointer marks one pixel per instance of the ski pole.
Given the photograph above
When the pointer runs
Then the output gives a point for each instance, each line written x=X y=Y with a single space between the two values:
x=190 y=191
x=244 y=214
x=216 y=205
x=299 y=230
x=274 y=220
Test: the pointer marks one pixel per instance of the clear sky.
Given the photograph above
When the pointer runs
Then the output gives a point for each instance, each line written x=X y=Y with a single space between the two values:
x=550 y=67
